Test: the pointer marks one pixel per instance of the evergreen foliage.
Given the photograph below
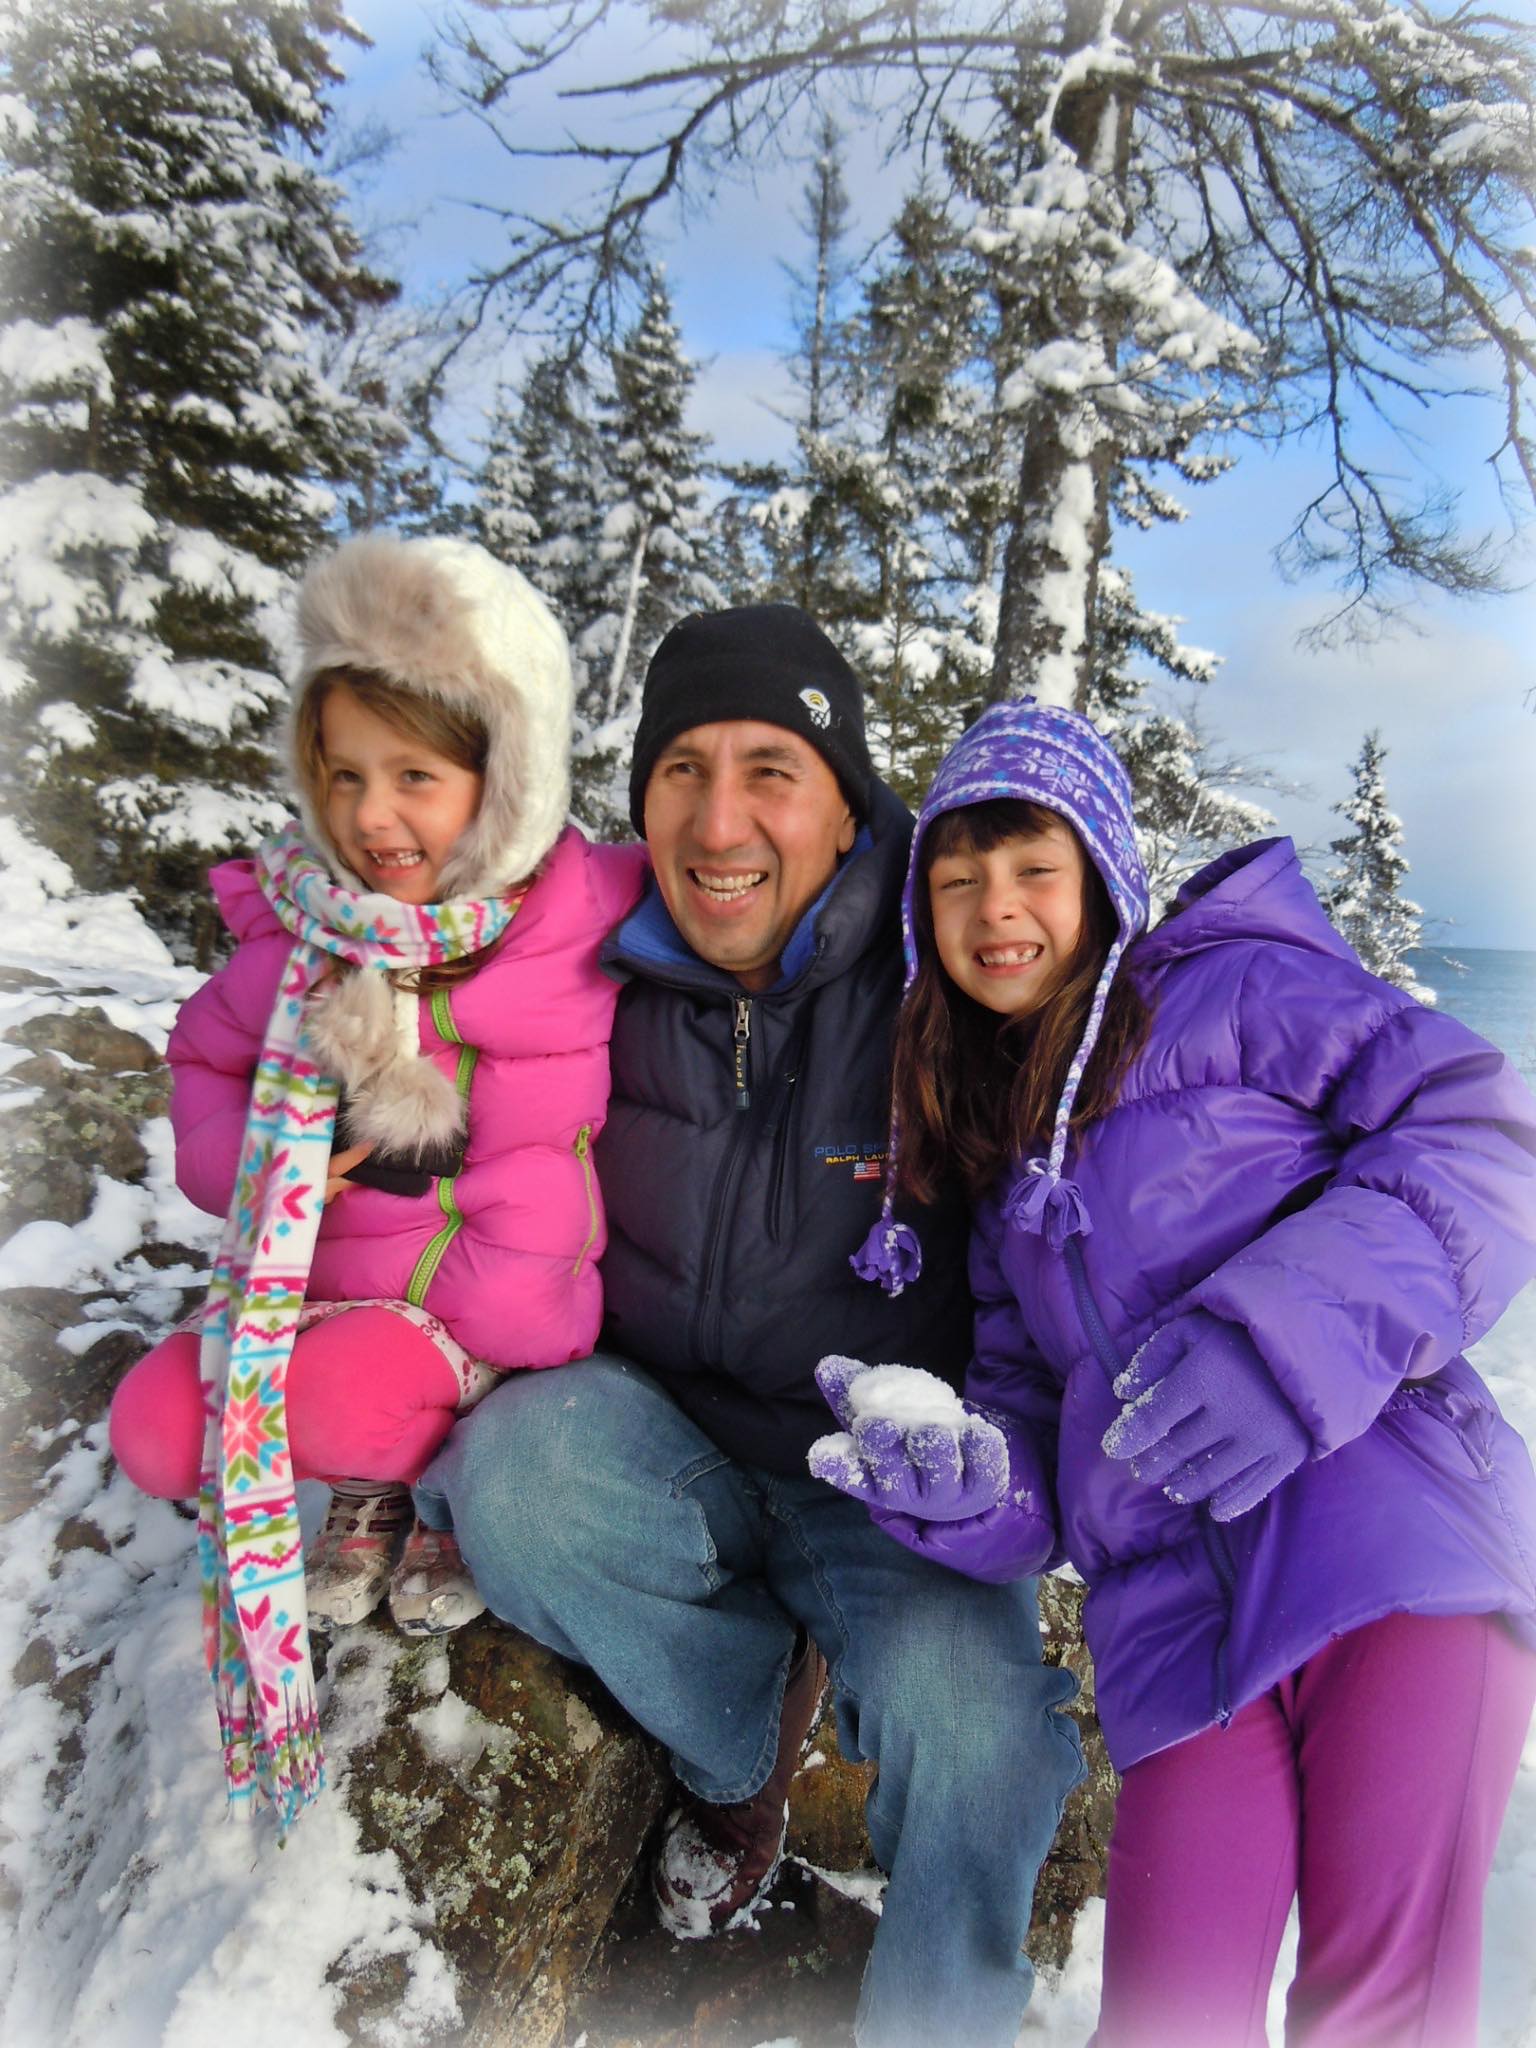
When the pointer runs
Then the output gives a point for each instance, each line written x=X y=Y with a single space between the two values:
x=537 y=499
x=1185 y=814
x=1364 y=897
x=593 y=486
x=1186 y=811
x=921 y=639
x=888 y=527
x=865 y=528
x=168 y=260
x=1190 y=220
x=652 y=553
x=806 y=550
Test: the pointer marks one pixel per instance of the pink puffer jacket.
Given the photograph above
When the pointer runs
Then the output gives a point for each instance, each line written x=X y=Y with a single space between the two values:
x=506 y=1252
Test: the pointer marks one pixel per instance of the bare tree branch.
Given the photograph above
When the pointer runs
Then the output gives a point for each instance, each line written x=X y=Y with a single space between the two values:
x=1341 y=191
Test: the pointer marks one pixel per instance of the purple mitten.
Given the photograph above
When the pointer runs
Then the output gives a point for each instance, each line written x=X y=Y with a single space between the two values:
x=1014 y=1540
x=935 y=1471
x=909 y=1446
x=1204 y=1419
x=835 y=1377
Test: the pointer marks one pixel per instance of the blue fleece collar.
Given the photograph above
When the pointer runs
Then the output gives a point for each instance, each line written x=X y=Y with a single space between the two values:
x=649 y=938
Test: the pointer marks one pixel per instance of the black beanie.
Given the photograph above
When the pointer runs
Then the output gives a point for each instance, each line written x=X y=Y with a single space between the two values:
x=761 y=661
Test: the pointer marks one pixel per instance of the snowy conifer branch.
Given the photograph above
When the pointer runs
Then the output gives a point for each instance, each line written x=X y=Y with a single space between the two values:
x=1364 y=895
x=177 y=286
x=1193 y=220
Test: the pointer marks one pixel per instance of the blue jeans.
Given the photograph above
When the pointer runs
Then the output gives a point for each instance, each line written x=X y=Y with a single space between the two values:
x=599 y=1520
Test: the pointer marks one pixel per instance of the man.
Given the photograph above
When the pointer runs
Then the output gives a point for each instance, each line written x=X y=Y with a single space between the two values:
x=648 y=1512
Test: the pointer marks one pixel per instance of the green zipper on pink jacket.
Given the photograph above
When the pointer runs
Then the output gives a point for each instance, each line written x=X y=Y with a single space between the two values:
x=584 y=1154
x=453 y=1223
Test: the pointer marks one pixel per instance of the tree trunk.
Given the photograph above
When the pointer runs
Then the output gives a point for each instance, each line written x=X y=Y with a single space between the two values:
x=1058 y=537
x=620 y=662
x=1059 y=532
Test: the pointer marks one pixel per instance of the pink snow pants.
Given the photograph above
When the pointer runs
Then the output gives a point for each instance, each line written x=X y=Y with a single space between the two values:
x=1369 y=1786
x=370 y=1396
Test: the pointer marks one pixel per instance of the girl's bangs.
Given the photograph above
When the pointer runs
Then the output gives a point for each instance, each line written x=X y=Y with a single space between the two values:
x=978 y=828
x=456 y=734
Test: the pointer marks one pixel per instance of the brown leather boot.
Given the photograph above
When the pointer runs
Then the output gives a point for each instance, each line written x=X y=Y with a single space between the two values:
x=716 y=1862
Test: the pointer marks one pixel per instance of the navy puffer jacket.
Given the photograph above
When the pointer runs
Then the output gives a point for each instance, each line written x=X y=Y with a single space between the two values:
x=731 y=1223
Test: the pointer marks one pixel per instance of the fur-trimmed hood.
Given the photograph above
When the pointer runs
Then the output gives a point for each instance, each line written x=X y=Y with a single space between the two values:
x=446 y=619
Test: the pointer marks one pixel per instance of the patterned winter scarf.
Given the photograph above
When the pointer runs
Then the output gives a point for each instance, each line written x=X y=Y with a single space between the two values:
x=255 y=1623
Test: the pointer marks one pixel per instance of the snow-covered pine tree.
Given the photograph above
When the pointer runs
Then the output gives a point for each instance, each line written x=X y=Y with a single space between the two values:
x=805 y=553
x=1185 y=813
x=1266 y=216
x=167 y=258
x=651 y=553
x=862 y=526
x=541 y=486
x=1364 y=895
x=397 y=476
x=502 y=516
x=904 y=468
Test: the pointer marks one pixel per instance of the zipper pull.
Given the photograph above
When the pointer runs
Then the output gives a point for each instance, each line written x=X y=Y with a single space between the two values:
x=741 y=1038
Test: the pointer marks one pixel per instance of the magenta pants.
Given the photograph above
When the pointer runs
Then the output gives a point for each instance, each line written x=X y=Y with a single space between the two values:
x=1369 y=1786
x=370 y=1396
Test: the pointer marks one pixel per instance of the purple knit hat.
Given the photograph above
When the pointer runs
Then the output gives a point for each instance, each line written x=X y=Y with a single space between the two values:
x=1042 y=754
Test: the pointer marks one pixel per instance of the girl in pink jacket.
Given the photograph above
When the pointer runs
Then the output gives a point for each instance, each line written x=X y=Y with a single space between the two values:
x=391 y=1092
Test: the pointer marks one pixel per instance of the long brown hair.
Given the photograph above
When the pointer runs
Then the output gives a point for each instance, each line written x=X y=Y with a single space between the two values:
x=457 y=735
x=974 y=1090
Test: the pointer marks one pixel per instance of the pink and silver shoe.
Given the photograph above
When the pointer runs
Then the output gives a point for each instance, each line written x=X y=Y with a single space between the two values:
x=431 y=1592
x=347 y=1567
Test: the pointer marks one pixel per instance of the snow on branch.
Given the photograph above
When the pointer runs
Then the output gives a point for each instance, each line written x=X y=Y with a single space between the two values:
x=1267 y=218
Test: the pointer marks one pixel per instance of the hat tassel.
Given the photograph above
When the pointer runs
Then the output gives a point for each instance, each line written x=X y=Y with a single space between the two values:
x=1045 y=1205
x=892 y=1255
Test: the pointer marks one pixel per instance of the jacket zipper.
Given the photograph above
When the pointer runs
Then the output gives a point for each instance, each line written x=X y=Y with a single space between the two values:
x=741 y=1075
x=432 y=1257
x=1212 y=1538
x=1226 y=1573
x=741 y=1049
x=584 y=1154
x=1094 y=1327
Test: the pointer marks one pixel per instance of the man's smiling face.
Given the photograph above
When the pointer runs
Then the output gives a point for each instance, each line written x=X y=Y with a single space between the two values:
x=745 y=822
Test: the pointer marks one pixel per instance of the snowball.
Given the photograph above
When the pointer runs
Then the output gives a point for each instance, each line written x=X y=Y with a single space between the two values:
x=904 y=1394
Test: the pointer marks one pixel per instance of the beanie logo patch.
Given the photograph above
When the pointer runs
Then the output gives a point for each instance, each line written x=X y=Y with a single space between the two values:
x=819 y=706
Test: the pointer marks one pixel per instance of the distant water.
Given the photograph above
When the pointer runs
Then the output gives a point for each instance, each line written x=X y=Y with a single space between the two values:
x=1496 y=995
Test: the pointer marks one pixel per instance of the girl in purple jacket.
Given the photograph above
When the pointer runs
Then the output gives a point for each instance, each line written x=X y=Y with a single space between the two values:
x=1240 y=1207
x=392 y=1092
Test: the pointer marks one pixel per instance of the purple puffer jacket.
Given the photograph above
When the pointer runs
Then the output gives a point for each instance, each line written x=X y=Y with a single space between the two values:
x=507 y=1252
x=1307 y=1152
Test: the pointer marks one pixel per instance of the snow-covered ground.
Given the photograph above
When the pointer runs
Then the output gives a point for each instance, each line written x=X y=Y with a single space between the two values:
x=134 y=1913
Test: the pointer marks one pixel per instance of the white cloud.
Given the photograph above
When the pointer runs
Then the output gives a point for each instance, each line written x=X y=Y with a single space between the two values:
x=1452 y=707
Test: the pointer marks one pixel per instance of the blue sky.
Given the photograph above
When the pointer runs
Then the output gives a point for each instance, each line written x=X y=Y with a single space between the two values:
x=1450 y=692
